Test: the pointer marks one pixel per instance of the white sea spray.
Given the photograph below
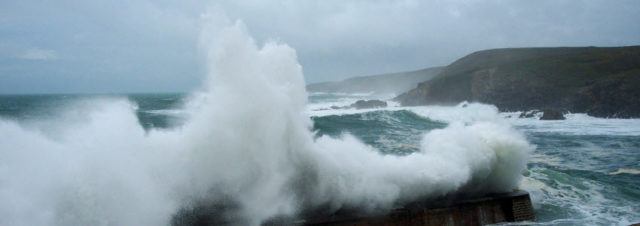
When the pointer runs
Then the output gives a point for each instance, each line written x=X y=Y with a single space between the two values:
x=247 y=140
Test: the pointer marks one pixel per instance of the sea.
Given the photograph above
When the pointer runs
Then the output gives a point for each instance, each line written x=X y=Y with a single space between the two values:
x=583 y=170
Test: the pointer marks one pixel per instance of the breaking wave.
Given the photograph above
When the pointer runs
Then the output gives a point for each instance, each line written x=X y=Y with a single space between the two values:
x=247 y=145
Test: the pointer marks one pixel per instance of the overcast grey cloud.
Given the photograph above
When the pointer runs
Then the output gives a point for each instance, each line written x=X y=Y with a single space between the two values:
x=149 y=46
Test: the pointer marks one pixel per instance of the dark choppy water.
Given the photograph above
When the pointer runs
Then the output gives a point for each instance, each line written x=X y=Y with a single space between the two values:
x=153 y=110
x=580 y=179
x=391 y=132
x=584 y=170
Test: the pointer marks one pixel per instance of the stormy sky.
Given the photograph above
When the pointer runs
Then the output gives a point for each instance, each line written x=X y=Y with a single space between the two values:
x=74 y=46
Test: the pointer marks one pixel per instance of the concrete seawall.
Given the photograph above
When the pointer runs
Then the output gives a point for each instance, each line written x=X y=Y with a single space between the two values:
x=508 y=207
x=488 y=209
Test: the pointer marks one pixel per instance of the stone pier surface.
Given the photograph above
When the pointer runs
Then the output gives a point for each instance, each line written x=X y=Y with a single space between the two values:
x=490 y=209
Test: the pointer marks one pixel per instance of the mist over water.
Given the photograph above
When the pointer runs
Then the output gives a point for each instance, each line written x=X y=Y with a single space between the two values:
x=247 y=143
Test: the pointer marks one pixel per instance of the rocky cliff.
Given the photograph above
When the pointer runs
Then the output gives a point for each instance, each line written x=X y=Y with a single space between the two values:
x=603 y=82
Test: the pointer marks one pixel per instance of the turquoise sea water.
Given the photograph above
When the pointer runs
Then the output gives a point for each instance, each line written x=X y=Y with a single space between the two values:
x=584 y=170
x=153 y=110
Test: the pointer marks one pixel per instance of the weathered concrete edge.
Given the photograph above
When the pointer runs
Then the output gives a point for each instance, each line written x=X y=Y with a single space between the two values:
x=495 y=208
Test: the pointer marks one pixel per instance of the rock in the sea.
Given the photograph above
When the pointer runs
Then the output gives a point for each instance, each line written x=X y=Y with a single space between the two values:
x=551 y=114
x=363 y=104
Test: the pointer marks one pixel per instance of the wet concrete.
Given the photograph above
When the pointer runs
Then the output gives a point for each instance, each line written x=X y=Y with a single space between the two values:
x=490 y=209
x=454 y=210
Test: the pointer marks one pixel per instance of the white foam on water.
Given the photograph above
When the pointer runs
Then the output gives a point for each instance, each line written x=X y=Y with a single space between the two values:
x=626 y=171
x=342 y=101
x=247 y=139
x=98 y=172
x=582 y=198
x=174 y=112
x=349 y=111
x=463 y=112
x=575 y=124
x=368 y=94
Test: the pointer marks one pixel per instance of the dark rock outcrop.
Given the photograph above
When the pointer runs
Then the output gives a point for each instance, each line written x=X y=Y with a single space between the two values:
x=363 y=104
x=602 y=82
x=551 y=114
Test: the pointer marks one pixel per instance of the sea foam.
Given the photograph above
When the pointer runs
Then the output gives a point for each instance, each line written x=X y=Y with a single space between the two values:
x=247 y=143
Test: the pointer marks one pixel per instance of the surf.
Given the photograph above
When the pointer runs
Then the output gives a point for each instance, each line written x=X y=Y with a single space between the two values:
x=247 y=144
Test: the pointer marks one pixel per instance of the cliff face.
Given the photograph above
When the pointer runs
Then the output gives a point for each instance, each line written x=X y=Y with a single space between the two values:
x=385 y=83
x=603 y=82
